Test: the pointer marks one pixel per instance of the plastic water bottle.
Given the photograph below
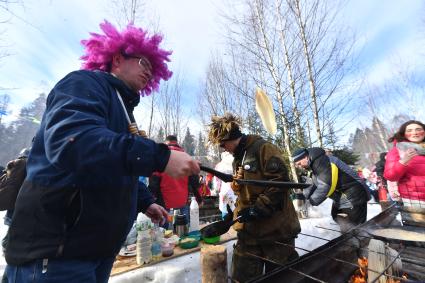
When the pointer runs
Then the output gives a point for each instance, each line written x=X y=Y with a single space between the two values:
x=194 y=215
x=157 y=237
x=144 y=240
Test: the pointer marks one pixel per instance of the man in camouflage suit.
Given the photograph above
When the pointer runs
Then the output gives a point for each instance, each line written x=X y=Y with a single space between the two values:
x=268 y=224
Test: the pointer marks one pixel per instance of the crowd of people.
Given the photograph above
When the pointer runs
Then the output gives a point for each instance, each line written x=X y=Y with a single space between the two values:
x=84 y=179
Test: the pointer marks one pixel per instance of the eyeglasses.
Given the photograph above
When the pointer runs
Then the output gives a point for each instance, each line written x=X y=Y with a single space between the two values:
x=143 y=62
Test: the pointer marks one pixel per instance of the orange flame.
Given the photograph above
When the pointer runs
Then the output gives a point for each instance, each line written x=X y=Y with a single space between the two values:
x=360 y=275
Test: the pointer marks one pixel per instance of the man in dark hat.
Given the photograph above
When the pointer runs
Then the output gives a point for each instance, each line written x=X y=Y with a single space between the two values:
x=267 y=215
x=334 y=179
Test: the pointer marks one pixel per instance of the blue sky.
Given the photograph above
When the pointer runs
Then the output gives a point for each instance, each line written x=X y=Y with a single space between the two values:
x=44 y=40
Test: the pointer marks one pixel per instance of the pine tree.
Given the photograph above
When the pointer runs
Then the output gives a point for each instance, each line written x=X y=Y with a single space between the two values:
x=201 y=148
x=20 y=133
x=189 y=143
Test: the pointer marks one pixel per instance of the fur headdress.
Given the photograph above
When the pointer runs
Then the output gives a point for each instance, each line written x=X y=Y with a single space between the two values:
x=100 y=48
x=224 y=128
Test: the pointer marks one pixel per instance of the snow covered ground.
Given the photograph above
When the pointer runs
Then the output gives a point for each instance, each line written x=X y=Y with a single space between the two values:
x=187 y=268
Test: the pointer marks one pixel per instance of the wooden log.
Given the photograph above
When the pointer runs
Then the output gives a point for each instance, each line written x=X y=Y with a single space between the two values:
x=214 y=264
x=381 y=256
x=376 y=261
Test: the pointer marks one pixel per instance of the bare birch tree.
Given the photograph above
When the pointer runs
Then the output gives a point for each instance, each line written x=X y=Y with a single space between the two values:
x=169 y=108
x=327 y=52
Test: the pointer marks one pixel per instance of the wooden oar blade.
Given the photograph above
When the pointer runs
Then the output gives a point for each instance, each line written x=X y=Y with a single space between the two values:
x=265 y=110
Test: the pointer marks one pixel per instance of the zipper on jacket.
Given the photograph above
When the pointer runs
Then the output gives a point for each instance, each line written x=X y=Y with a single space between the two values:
x=44 y=265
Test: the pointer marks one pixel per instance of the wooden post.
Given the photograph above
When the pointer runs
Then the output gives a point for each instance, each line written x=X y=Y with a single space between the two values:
x=214 y=264
x=380 y=256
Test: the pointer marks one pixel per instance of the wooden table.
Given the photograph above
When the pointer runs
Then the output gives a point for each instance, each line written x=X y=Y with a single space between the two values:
x=124 y=264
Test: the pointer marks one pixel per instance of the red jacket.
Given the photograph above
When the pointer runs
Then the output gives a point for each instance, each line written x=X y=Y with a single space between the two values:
x=410 y=177
x=171 y=192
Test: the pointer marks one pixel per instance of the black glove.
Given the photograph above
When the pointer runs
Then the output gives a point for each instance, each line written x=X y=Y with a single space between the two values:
x=248 y=214
x=229 y=216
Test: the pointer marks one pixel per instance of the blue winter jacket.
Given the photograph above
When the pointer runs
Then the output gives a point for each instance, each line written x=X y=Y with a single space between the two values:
x=79 y=198
x=334 y=179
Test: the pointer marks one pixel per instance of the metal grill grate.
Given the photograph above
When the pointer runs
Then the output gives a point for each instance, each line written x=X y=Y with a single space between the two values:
x=336 y=260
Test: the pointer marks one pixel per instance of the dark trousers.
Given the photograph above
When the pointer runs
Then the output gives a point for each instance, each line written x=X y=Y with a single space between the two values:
x=348 y=218
x=61 y=271
x=250 y=261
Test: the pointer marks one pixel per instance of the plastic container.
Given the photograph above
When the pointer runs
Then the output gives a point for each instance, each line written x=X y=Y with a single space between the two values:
x=167 y=249
x=211 y=240
x=157 y=239
x=143 y=247
x=181 y=225
x=174 y=240
x=144 y=239
x=188 y=242
x=194 y=215
x=195 y=234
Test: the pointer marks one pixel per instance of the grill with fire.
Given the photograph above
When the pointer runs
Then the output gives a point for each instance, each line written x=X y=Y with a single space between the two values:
x=388 y=248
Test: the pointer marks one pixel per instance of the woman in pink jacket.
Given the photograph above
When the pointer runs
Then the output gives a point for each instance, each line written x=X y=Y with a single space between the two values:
x=405 y=163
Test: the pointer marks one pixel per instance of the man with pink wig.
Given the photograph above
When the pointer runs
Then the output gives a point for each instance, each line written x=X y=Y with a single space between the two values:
x=80 y=196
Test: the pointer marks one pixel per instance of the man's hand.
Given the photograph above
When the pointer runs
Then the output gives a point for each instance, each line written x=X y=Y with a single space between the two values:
x=248 y=214
x=181 y=164
x=235 y=186
x=157 y=213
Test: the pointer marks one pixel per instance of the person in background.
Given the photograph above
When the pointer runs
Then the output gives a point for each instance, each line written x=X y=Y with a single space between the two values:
x=11 y=180
x=371 y=180
x=80 y=195
x=405 y=163
x=173 y=193
x=266 y=214
x=204 y=186
x=225 y=192
x=380 y=166
x=334 y=179
x=382 y=182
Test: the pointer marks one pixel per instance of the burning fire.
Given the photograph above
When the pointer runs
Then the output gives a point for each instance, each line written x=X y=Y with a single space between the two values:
x=360 y=275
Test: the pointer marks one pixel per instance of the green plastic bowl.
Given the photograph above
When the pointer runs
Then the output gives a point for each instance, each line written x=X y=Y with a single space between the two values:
x=212 y=240
x=188 y=245
x=195 y=234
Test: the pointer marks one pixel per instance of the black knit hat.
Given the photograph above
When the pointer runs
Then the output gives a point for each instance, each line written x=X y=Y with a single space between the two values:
x=299 y=154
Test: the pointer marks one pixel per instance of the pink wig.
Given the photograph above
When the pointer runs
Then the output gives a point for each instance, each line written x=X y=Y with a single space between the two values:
x=131 y=41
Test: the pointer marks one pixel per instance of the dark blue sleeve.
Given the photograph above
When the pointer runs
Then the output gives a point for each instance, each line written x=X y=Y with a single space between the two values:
x=322 y=180
x=77 y=137
x=144 y=198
